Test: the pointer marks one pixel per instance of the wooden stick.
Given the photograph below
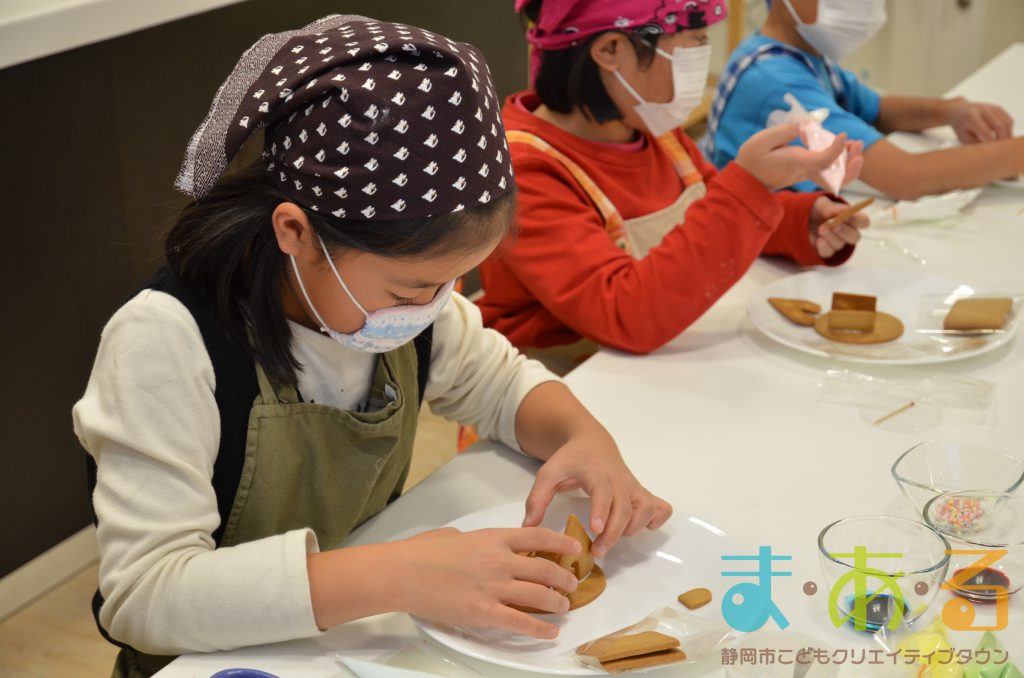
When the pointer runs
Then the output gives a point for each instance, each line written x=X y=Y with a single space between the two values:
x=844 y=215
x=898 y=410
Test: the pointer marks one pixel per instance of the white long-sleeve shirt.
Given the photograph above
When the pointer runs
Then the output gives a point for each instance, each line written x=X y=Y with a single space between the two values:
x=150 y=420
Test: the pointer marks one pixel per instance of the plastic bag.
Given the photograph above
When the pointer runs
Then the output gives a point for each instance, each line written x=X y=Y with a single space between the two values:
x=814 y=136
x=929 y=208
x=959 y=399
x=699 y=638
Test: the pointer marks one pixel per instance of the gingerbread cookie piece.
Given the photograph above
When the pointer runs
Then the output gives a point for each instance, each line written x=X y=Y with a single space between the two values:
x=978 y=314
x=592 y=580
x=857 y=321
x=695 y=598
x=844 y=301
x=644 y=661
x=799 y=311
x=886 y=328
x=619 y=647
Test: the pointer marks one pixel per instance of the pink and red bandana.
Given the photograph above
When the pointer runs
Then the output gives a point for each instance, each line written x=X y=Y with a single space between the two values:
x=564 y=23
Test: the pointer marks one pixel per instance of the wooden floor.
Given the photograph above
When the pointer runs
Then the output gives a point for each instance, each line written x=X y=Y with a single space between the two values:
x=56 y=636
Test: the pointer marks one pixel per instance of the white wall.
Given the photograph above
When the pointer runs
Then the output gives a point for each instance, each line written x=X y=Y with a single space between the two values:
x=926 y=47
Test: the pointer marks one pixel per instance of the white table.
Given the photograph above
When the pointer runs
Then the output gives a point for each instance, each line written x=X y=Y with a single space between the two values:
x=726 y=425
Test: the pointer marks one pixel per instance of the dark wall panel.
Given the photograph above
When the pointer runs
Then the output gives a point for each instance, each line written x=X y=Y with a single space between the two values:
x=92 y=139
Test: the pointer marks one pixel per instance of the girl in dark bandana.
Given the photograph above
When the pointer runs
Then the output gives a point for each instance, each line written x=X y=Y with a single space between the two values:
x=258 y=399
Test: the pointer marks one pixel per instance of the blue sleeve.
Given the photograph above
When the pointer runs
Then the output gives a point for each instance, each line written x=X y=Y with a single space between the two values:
x=862 y=101
x=761 y=90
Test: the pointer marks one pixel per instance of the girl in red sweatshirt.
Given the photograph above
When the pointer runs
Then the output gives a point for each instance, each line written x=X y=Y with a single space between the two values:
x=626 y=235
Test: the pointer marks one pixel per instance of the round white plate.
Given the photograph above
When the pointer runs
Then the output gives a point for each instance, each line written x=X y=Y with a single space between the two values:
x=912 y=296
x=1011 y=183
x=645 y=573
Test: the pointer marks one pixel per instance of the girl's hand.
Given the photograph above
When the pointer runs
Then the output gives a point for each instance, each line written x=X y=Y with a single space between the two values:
x=839 y=236
x=773 y=161
x=470 y=578
x=619 y=503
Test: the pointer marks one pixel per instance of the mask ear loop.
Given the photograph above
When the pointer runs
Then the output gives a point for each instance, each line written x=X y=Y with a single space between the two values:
x=340 y=280
x=629 y=88
x=792 y=13
x=295 y=267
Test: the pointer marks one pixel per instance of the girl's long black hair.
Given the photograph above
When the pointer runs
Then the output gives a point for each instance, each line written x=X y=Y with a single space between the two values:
x=224 y=249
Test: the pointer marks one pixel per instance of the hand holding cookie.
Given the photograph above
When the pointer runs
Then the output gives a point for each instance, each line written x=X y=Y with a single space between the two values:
x=471 y=578
x=619 y=503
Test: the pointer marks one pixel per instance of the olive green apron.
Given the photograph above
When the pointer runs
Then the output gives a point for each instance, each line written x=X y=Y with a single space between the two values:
x=313 y=465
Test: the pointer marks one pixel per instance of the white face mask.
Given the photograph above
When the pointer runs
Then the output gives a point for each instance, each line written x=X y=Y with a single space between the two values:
x=689 y=79
x=842 y=26
x=386 y=329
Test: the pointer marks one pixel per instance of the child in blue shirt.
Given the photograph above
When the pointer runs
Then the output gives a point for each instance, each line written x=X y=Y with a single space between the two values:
x=797 y=50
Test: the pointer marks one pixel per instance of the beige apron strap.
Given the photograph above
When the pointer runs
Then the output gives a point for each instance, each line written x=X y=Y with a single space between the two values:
x=681 y=160
x=612 y=219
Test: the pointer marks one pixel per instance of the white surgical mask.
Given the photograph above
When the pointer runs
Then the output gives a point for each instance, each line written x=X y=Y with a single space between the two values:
x=689 y=79
x=385 y=329
x=842 y=26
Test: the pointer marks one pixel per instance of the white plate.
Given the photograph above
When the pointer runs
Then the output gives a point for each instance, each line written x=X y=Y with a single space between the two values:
x=645 y=572
x=900 y=293
x=1011 y=183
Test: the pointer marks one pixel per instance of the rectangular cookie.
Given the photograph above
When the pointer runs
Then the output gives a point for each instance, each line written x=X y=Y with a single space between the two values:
x=859 y=321
x=978 y=314
x=620 y=647
x=844 y=301
x=644 y=661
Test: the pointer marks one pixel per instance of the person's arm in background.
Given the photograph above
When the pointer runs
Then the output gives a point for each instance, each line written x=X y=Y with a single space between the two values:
x=908 y=176
x=972 y=122
x=989 y=153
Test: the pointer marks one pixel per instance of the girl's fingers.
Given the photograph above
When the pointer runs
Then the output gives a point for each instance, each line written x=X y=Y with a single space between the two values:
x=854 y=165
x=642 y=516
x=600 y=505
x=662 y=512
x=998 y=121
x=519 y=622
x=778 y=136
x=618 y=519
x=529 y=539
x=833 y=240
x=544 y=572
x=543 y=491
x=525 y=594
x=849 y=235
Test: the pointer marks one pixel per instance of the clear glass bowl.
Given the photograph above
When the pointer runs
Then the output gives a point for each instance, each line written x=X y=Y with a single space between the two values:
x=992 y=525
x=934 y=467
x=881 y=569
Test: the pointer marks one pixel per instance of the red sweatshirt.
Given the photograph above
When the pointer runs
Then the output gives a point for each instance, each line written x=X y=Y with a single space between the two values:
x=562 y=277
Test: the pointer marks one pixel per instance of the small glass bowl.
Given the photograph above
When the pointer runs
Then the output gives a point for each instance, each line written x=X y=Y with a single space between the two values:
x=989 y=525
x=934 y=467
x=910 y=555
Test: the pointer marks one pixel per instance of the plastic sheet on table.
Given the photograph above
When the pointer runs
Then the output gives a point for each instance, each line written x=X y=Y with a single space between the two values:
x=699 y=638
x=935 y=397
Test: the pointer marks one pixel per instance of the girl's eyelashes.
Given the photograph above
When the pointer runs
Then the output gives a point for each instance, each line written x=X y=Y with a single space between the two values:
x=402 y=301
